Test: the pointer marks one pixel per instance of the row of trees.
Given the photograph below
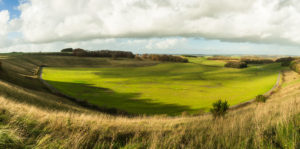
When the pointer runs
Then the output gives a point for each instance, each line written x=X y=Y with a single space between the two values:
x=103 y=53
x=257 y=60
x=236 y=64
x=123 y=54
x=295 y=65
x=222 y=58
x=285 y=61
x=163 y=58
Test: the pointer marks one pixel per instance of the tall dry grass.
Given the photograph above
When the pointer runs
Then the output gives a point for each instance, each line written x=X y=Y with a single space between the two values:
x=41 y=120
x=274 y=124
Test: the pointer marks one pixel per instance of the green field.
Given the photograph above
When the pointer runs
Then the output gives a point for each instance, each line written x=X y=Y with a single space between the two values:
x=166 y=88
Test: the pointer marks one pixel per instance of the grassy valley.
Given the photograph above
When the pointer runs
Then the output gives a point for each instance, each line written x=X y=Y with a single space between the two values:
x=166 y=88
x=32 y=117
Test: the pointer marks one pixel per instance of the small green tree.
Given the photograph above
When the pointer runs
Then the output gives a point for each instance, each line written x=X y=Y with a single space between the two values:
x=219 y=108
x=261 y=98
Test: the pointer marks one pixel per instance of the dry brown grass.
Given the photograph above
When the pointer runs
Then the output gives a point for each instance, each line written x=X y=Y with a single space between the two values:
x=42 y=120
x=251 y=126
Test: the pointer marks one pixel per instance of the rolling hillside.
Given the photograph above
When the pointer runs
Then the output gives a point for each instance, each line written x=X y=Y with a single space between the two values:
x=32 y=117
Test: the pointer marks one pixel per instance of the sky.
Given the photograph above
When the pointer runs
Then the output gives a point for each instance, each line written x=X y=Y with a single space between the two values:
x=259 y=27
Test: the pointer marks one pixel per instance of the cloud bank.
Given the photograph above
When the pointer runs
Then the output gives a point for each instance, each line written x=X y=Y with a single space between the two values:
x=69 y=21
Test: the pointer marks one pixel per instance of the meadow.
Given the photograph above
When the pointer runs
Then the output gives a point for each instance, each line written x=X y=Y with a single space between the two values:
x=32 y=117
x=164 y=88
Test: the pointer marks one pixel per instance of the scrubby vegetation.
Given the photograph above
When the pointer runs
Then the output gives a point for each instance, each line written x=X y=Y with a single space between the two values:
x=285 y=61
x=236 y=64
x=103 y=53
x=257 y=60
x=222 y=58
x=295 y=65
x=31 y=117
x=261 y=98
x=164 y=58
x=219 y=108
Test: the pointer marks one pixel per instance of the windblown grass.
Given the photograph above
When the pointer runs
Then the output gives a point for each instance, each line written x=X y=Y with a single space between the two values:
x=274 y=124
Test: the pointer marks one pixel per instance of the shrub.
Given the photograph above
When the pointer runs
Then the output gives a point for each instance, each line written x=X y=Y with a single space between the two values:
x=257 y=60
x=261 y=98
x=221 y=58
x=295 y=65
x=67 y=50
x=79 y=52
x=0 y=65
x=164 y=58
x=219 y=108
x=285 y=61
x=103 y=53
x=235 y=64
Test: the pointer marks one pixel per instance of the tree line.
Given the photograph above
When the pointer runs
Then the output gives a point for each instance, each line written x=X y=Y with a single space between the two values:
x=163 y=58
x=125 y=54
x=103 y=53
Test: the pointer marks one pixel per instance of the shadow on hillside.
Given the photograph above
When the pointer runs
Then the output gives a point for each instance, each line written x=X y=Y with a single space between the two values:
x=206 y=73
x=109 y=99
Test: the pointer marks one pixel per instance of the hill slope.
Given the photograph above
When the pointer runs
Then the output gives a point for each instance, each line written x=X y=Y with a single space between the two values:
x=32 y=117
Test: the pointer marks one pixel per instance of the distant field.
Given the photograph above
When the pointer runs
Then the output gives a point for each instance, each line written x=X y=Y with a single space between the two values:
x=166 y=88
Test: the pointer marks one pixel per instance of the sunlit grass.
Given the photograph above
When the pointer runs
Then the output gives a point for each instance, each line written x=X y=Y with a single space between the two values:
x=165 y=88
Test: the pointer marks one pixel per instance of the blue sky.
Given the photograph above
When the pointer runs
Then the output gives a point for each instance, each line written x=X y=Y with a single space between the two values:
x=209 y=27
x=11 y=6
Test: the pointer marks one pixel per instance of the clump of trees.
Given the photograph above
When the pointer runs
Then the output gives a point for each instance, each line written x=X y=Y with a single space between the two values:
x=295 y=65
x=219 y=108
x=261 y=98
x=236 y=64
x=257 y=60
x=190 y=56
x=164 y=58
x=67 y=50
x=222 y=58
x=103 y=53
x=285 y=61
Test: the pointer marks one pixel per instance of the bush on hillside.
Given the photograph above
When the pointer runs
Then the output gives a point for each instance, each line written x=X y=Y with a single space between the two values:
x=222 y=58
x=0 y=65
x=189 y=56
x=67 y=50
x=164 y=58
x=257 y=60
x=103 y=53
x=219 y=108
x=79 y=52
x=295 y=65
x=285 y=61
x=236 y=64
x=261 y=98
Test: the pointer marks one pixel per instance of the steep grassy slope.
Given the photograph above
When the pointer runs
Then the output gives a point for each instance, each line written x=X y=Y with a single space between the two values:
x=274 y=124
x=169 y=88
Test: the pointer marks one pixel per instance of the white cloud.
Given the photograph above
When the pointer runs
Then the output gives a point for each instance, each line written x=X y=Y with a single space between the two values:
x=149 y=24
x=4 y=17
x=274 y=21
x=168 y=43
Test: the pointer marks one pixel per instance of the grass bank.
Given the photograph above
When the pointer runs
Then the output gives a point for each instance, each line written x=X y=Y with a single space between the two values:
x=31 y=117
x=167 y=88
